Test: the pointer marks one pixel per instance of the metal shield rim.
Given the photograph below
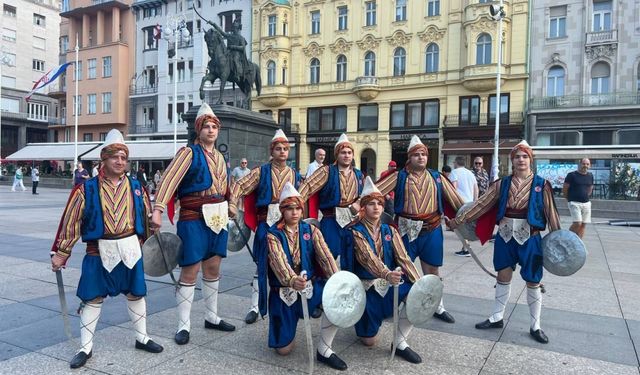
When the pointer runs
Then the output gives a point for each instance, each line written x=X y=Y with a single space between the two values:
x=413 y=298
x=337 y=283
x=556 y=268
x=240 y=238
x=149 y=250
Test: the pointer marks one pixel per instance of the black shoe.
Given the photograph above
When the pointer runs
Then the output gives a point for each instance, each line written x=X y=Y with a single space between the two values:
x=222 y=326
x=182 y=337
x=150 y=346
x=316 y=313
x=409 y=355
x=445 y=317
x=251 y=317
x=539 y=336
x=80 y=359
x=333 y=361
x=487 y=324
x=463 y=253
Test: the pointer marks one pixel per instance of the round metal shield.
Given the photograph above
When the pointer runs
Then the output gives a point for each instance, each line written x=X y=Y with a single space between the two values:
x=312 y=221
x=424 y=298
x=385 y=218
x=563 y=252
x=344 y=299
x=160 y=255
x=239 y=233
x=468 y=229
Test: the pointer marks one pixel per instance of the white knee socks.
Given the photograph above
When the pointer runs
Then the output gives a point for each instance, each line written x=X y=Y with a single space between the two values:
x=88 y=321
x=254 y=294
x=534 y=299
x=502 y=298
x=327 y=334
x=404 y=329
x=138 y=314
x=184 y=299
x=210 y=294
x=440 y=309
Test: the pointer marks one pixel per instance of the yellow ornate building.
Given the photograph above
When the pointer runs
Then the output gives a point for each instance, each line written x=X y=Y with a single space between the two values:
x=384 y=70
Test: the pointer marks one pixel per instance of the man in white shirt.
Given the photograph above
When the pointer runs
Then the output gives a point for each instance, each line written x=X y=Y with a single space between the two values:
x=317 y=163
x=467 y=188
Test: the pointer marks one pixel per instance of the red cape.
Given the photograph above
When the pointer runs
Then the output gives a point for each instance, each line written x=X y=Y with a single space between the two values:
x=485 y=224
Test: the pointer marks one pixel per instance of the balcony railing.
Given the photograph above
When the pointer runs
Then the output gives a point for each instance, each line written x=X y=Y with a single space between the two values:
x=602 y=37
x=141 y=90
x=367 y=81
x=144 y=128
x=589 y=100
x=185 y=43
x=511 y=118
x=28 y=117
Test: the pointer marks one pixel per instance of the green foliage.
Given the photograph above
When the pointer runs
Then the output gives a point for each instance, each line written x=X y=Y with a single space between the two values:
x=625 y=181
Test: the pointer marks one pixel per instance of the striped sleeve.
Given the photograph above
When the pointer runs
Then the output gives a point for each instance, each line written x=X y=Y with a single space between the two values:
x=173 y=176
x=387 y=184
x=550 y=211
x=69 y=232
x=323 y=254
x=482 y=205
x=367 y=258
x=314 y=183
x=244 y=186
x=451 y=194
x=278 y=261
x=402 y=258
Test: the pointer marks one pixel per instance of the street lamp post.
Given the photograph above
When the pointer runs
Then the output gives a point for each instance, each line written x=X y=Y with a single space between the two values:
x=4 y=60
x=176 y=30
x=497 y=13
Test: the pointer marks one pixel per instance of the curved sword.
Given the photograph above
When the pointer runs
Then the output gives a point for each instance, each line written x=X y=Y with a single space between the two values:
x=466 y=246
x=396 y=296
x=63 y=305
x=307 y=323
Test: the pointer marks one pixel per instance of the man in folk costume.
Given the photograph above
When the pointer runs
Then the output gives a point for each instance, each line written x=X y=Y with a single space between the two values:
x=198 y=173
x=338 y=187
x=293 y=247
x=421 y=198
x=261 y=189
x=110 y=213
x=377 y=252
x=521 y=205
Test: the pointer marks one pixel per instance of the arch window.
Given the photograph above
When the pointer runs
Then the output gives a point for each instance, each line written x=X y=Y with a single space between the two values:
x=600 y=78
x=483 y=49
x=399 y=61
x=433 y=55
x=271 y=73
x=315 y=71
x=341 y=69
x=370 y=64
x=555 y=81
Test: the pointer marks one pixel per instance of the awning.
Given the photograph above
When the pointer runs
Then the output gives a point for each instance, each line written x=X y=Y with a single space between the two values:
x=144 y=150
x=51 y=151
x=592 y=152
x=477 y=147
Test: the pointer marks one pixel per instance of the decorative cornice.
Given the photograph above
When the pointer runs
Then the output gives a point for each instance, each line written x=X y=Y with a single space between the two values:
x=431 y=34
x=270 y=54
x=398 y=38
x=369 y=42
x=313 y=50
x=607 y=50
x=340 y=46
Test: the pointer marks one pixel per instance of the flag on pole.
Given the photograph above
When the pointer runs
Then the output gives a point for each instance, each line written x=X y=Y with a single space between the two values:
x=157 y=32
x=47 y=79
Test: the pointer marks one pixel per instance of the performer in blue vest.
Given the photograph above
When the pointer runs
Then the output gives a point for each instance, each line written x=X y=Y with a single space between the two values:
x=261 y=189
x=110 y=213
x=338 y=187
x=377 y=252
x=199 y=175
x=522 y=205
x=421 y=197
x=293 y=247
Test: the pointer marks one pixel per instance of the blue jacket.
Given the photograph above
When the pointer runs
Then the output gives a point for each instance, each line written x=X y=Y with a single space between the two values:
x=535 y=213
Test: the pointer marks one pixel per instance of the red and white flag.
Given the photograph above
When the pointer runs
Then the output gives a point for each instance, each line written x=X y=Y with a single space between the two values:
x=157 y=32
x=47 y=79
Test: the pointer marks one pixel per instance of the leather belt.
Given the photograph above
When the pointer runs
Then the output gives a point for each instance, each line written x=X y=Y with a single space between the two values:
x=92 y=246
x=331 y=212
x=429 y=222
x=191 y=207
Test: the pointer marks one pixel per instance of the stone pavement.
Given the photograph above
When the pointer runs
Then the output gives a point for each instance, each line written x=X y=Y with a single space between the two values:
x=592 y=318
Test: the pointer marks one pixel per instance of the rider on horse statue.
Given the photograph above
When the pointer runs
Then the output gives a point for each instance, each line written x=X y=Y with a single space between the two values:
x=236 y=46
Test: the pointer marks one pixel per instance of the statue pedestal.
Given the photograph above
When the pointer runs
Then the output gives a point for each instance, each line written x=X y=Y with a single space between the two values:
x=243 y=134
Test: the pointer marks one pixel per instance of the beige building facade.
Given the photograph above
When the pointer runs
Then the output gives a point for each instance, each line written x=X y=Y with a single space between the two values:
x=381 y=71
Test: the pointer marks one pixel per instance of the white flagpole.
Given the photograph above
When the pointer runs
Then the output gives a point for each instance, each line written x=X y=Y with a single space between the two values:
x=76 y=103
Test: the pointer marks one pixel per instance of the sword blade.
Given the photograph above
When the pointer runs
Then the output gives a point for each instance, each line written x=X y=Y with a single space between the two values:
x=307 y=326
x=467 y=247
x=164 y=260
x=396 y=296
x=63 y=305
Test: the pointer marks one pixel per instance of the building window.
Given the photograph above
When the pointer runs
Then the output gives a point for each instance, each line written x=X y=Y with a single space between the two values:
x=327 y=119
x=504 y=109
x=629 y=137
x=433 y=56
x=106 y=102
x=600 y=78
x=469 y=110
x=8 y=10
x=106 y=66
x=181 y=71
x=484 y=1
x=284 y=29
x=557 y=139
x=8 y=82
x=37 y=65
x=78 y=72
x=87 y=137
x=77 y=100
x=558 y=21
x=91 y=104
x=602 y=15
x=91 y=69
x=341 y=69
x=64 y=44
x=271 y=73
x=315 y=22
x=150 y=39
x=9 y=35
x=272 y=25
x=368 y=117
x=342 y=17
x=638 y=79
x=103 y=137
x=370 y=13
x=284 y=76
x=39 y=20
x=433 y=8
x=415 y=114
x=38 y=112
x=10 y=104
x=483 y=49
x=151 y=12
x=370 y=64
x=555 y=81
x=401 y=10
x=598 y=137
x=315 y=71
x=148 y=114
x=399 y=61
x=227 y=19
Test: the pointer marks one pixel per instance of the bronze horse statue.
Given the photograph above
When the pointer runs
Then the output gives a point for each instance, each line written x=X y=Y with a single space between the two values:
x=219 y=67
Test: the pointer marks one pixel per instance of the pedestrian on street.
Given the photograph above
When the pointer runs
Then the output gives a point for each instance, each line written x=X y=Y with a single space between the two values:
x=577 y=188
x=240 y=171
x=482 y=177
x=320 y=154
x=446 y=171
x=35 y=179
x=80 y=175
x=467 y=188
x=141 y=176
x=17 y=180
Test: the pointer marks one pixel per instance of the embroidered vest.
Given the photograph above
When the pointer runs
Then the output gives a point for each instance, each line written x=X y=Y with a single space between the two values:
x=198 y=177
x=307 y=252
x=400 y=189
x=535 y=211
x=264 y=191
x=387 y=248
x=330 y=194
